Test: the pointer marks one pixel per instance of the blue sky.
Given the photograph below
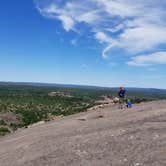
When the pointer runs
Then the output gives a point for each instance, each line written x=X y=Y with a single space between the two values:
x=90 y=42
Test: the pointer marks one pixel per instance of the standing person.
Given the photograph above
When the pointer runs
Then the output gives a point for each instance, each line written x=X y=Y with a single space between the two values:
x=121 y=95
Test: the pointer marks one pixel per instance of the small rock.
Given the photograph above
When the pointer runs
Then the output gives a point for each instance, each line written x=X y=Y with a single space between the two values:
x=82 y=119
x=156 y=136
x=131 y=137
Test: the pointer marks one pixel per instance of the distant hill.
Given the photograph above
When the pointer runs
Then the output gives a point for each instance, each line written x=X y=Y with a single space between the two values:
x=50 y=85
x=129 y=89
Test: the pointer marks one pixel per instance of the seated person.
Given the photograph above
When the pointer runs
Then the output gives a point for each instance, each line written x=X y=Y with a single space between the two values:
x=129 y=104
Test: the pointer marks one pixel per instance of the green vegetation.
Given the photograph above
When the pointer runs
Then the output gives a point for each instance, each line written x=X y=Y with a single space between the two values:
x=24 y=105
x=4 y=131
x=2 y=122
x=31 y=104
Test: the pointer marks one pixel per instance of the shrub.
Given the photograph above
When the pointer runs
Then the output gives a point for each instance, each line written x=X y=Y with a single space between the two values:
x=2 y=122
x=4 y=131
x=31 y=116
x=139 y=100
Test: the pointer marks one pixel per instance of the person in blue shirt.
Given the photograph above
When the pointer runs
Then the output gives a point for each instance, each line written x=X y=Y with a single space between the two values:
x=129 y=104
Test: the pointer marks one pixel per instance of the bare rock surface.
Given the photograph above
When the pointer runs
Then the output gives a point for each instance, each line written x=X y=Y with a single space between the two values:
x=103 y=137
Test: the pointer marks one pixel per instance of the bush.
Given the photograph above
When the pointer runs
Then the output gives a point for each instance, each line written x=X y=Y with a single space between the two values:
x=4 y=131
x=15 y=126
x=139 y=100
x=31 y=116
x=2 y=122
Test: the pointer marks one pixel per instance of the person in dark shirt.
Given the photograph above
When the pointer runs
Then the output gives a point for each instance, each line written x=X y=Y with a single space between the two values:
x=121 y=94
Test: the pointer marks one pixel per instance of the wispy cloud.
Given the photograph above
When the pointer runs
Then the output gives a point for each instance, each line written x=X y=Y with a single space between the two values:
x=103 y=38
x=135 y=26
x=146 y=60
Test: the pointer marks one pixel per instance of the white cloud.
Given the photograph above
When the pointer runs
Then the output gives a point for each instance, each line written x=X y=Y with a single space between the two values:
x=146 y=60
x=103 y=38
x=122 y=8
x=115 y=29
x=135 y=26
x=89 y=17
x=143 y=38
x=68 y=22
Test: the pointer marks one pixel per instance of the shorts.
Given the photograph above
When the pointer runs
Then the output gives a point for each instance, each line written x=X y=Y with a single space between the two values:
x=121 y=100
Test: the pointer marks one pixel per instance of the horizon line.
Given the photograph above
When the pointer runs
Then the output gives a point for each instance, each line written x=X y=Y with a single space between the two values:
x=72 y=84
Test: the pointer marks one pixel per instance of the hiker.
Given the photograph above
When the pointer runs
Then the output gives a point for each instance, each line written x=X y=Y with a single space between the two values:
x=121 y=95
x=129 y=104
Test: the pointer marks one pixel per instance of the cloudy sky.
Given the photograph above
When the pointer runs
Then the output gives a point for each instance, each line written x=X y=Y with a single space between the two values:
x=91 y=42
